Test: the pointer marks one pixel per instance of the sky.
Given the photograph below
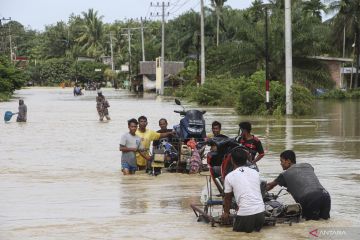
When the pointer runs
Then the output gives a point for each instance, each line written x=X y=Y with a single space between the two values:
x=35 y=14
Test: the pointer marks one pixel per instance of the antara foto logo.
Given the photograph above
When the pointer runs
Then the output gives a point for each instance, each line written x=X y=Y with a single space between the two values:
x=314 y=233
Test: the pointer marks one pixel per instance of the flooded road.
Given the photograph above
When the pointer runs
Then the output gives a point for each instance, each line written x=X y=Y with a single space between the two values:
x=60 y=172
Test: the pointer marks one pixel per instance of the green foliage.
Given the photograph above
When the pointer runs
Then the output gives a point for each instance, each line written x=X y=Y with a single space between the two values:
x=5 y=96
x=354 y=93
x=334 y=94
x=190 y=72
x=85 y=71
x=251 y=95
x=303 y=101
x=56 y=70
x=247 y=95
x=341 y=94
x=11 y=78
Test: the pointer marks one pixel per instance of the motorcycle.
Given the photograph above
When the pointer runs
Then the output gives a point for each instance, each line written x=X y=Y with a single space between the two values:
x=186 y=150
x=192 y=125
x=219 y=161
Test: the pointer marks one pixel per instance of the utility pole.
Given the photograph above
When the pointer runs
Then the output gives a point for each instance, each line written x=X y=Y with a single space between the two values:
x=142 y=40
x=128 y=34
x=267 y=77
x=162 y=49
x=112 y=60
x=198 y=79
x=11 y=50
x=112 y=54
x=202 y=42
x=288 y=58
x=162 y=60
x=342 y=64
x=129 y=40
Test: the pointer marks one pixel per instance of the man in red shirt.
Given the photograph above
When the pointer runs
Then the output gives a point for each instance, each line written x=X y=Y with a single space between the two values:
x=251 y=142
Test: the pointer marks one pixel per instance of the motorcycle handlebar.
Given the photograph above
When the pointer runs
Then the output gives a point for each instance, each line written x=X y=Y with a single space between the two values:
x=181 y=112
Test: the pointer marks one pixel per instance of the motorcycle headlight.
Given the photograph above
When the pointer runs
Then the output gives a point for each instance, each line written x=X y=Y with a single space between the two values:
x=195 y=129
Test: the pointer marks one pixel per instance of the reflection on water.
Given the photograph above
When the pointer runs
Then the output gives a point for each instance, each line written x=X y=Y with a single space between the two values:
x=60 y=172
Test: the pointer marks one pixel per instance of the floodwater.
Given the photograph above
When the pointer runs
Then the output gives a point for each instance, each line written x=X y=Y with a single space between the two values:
x=60 y=172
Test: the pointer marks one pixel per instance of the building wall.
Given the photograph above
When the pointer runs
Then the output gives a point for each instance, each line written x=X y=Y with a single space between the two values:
x=334 y=69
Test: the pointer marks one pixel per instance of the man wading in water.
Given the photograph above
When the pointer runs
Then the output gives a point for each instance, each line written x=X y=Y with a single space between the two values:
x=22 y=114
x=147 y=136
x=102 y=106
x=302 y=183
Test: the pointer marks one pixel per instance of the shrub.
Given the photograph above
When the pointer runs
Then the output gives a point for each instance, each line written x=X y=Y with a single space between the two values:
x=334 y=94
x=247 y=95
x=302 y=101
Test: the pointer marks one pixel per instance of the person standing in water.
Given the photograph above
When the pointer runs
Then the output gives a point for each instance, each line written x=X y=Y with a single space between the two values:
x=129 y=145
x=102 y=106
x=22 y=114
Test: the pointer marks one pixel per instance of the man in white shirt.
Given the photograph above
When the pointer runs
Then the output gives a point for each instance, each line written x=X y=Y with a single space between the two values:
x=244 y=184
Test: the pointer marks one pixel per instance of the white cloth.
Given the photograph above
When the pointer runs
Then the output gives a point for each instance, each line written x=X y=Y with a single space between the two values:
x=245 y=183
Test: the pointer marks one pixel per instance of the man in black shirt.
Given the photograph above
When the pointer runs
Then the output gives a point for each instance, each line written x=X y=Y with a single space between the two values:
x=302 y=183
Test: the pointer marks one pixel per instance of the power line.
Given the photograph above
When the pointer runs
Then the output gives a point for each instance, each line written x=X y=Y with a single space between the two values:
x=178 y=9
x=174 y=5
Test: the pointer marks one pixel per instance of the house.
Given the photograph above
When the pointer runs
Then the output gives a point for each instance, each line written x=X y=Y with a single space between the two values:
x=85 y=59
x=106 y=60
x=148 y=73
x=339 y=74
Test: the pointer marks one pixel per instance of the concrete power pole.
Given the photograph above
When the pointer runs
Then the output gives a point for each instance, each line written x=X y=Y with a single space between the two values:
x=112 y=54
x=161 y=92
x=129 y=40
x=11 y=49
x=11 y=53
x=142 y=40
x=162 y=60
x=112 y=59
x=202 y=42
x=288 y=58
x=129 y=50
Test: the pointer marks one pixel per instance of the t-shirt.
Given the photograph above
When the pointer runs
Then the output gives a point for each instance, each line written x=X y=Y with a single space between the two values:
x=244 y=182
x=130 y=141
x=146 y=138
x=300 y=181
x=254 y=145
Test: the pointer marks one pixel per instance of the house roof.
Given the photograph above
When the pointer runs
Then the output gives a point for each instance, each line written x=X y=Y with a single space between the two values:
x=332 y=58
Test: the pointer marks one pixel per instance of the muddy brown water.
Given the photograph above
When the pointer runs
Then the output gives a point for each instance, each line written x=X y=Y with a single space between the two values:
x=60 y=172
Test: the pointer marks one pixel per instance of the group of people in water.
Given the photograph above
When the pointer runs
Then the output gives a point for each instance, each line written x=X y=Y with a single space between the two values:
x=243 y=183
x=135 y=145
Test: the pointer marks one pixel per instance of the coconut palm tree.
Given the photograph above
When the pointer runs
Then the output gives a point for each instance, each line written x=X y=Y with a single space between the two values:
x=92 y=35
x=217 y=5
x=348 y=17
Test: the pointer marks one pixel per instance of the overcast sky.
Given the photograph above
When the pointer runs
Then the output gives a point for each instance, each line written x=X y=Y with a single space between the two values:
x=35 y=14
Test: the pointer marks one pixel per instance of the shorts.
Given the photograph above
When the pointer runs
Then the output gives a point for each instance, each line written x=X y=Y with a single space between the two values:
x=249 y=223
x=126 y=165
